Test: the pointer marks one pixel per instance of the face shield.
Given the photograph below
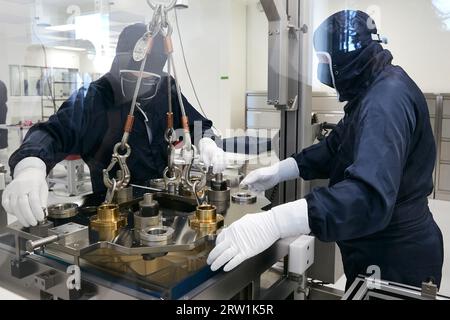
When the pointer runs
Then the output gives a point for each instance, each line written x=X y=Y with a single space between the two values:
x=339 y=40
x=149 y=84
x=325 y=69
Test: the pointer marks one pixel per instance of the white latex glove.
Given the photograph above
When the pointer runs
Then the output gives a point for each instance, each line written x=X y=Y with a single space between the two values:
x=255 y=233
x=266 y=178
x=212 y=156
x=27 y=195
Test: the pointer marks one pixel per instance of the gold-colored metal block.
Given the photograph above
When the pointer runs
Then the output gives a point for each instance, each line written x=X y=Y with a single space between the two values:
x=206 y=219
x=108 y=222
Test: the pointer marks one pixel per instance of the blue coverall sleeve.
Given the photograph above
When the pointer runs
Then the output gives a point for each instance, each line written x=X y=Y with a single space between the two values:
x=315 y=162
x=62 y=134
x=364 y=202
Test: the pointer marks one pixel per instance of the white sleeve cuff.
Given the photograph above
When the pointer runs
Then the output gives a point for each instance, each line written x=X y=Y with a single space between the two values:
x=30 y=162
x=292 y=218
x=288 y=170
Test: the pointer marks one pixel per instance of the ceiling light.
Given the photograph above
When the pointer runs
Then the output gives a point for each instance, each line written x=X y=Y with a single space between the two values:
x=62 y=28
x=69 y=48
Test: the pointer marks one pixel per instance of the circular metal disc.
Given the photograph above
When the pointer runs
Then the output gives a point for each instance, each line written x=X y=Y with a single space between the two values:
x=244 y=198
x=62 y=211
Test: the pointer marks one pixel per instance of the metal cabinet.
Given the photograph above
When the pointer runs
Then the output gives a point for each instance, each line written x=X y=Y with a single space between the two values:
x=327 y=108
x=442 y=134
x=260 y=115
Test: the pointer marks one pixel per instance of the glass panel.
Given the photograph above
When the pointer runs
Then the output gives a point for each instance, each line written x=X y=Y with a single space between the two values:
x=14 y=80
x=32 y=81
x=53 y=49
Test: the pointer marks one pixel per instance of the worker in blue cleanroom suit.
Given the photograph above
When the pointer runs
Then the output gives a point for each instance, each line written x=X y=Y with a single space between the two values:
x=379 y=160
x=91 y=122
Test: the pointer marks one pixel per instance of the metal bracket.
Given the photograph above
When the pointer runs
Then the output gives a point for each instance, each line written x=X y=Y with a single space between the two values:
x=22 y=268
x=46 y=280
x=283 y=34
x=429 y=290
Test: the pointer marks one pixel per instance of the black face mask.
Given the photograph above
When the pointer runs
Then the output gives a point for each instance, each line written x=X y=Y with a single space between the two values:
x=148 y=89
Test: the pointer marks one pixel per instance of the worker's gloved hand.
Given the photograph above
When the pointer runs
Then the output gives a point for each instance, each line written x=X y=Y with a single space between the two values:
x=212 y=156
x=255 y=233
x=266 y=178
x=26 y=196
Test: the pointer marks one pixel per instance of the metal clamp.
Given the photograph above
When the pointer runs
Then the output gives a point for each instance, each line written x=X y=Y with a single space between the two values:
x=168 y=7
x=201 y=200
x=119 y=160
x=187 y=173
x=111 y=192
x=169 y=134
x=166 y=25
x=176 y=175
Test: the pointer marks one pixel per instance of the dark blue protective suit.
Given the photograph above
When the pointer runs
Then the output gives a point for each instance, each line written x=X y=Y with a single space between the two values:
x=90 y=126
x=91 y=123
x=380 y=162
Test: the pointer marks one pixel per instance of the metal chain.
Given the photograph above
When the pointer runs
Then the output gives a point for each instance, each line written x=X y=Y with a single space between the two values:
x=122 y=181
x=159 y=23
x=118 y=183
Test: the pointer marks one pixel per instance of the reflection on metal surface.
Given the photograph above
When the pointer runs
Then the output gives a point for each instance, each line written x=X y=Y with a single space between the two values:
x=206 y=219
x=165 y=271
x=244 y=198
x=108 y=222
x=149 y=215
x=148 y=207
x=156 y=235
x=124 y=195
x=62 y=211
x=219 y=194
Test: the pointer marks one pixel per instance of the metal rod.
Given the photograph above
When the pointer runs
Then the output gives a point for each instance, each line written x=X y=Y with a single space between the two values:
x=146 y=188
x=32 y=245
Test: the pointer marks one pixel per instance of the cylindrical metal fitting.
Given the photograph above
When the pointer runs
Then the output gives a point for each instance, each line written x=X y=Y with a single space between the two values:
x=206 y=219
x=219 y=196
x=218 y=184
x=148 y=207
x=62 y=211
x=140 y=223
x=124 y=195
x=108 y=222
x=32 y=245
x=156 y=235
x=108 y=212
x=244 y=198
x=206 y=213
x=171 y=188
x=169 y=120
